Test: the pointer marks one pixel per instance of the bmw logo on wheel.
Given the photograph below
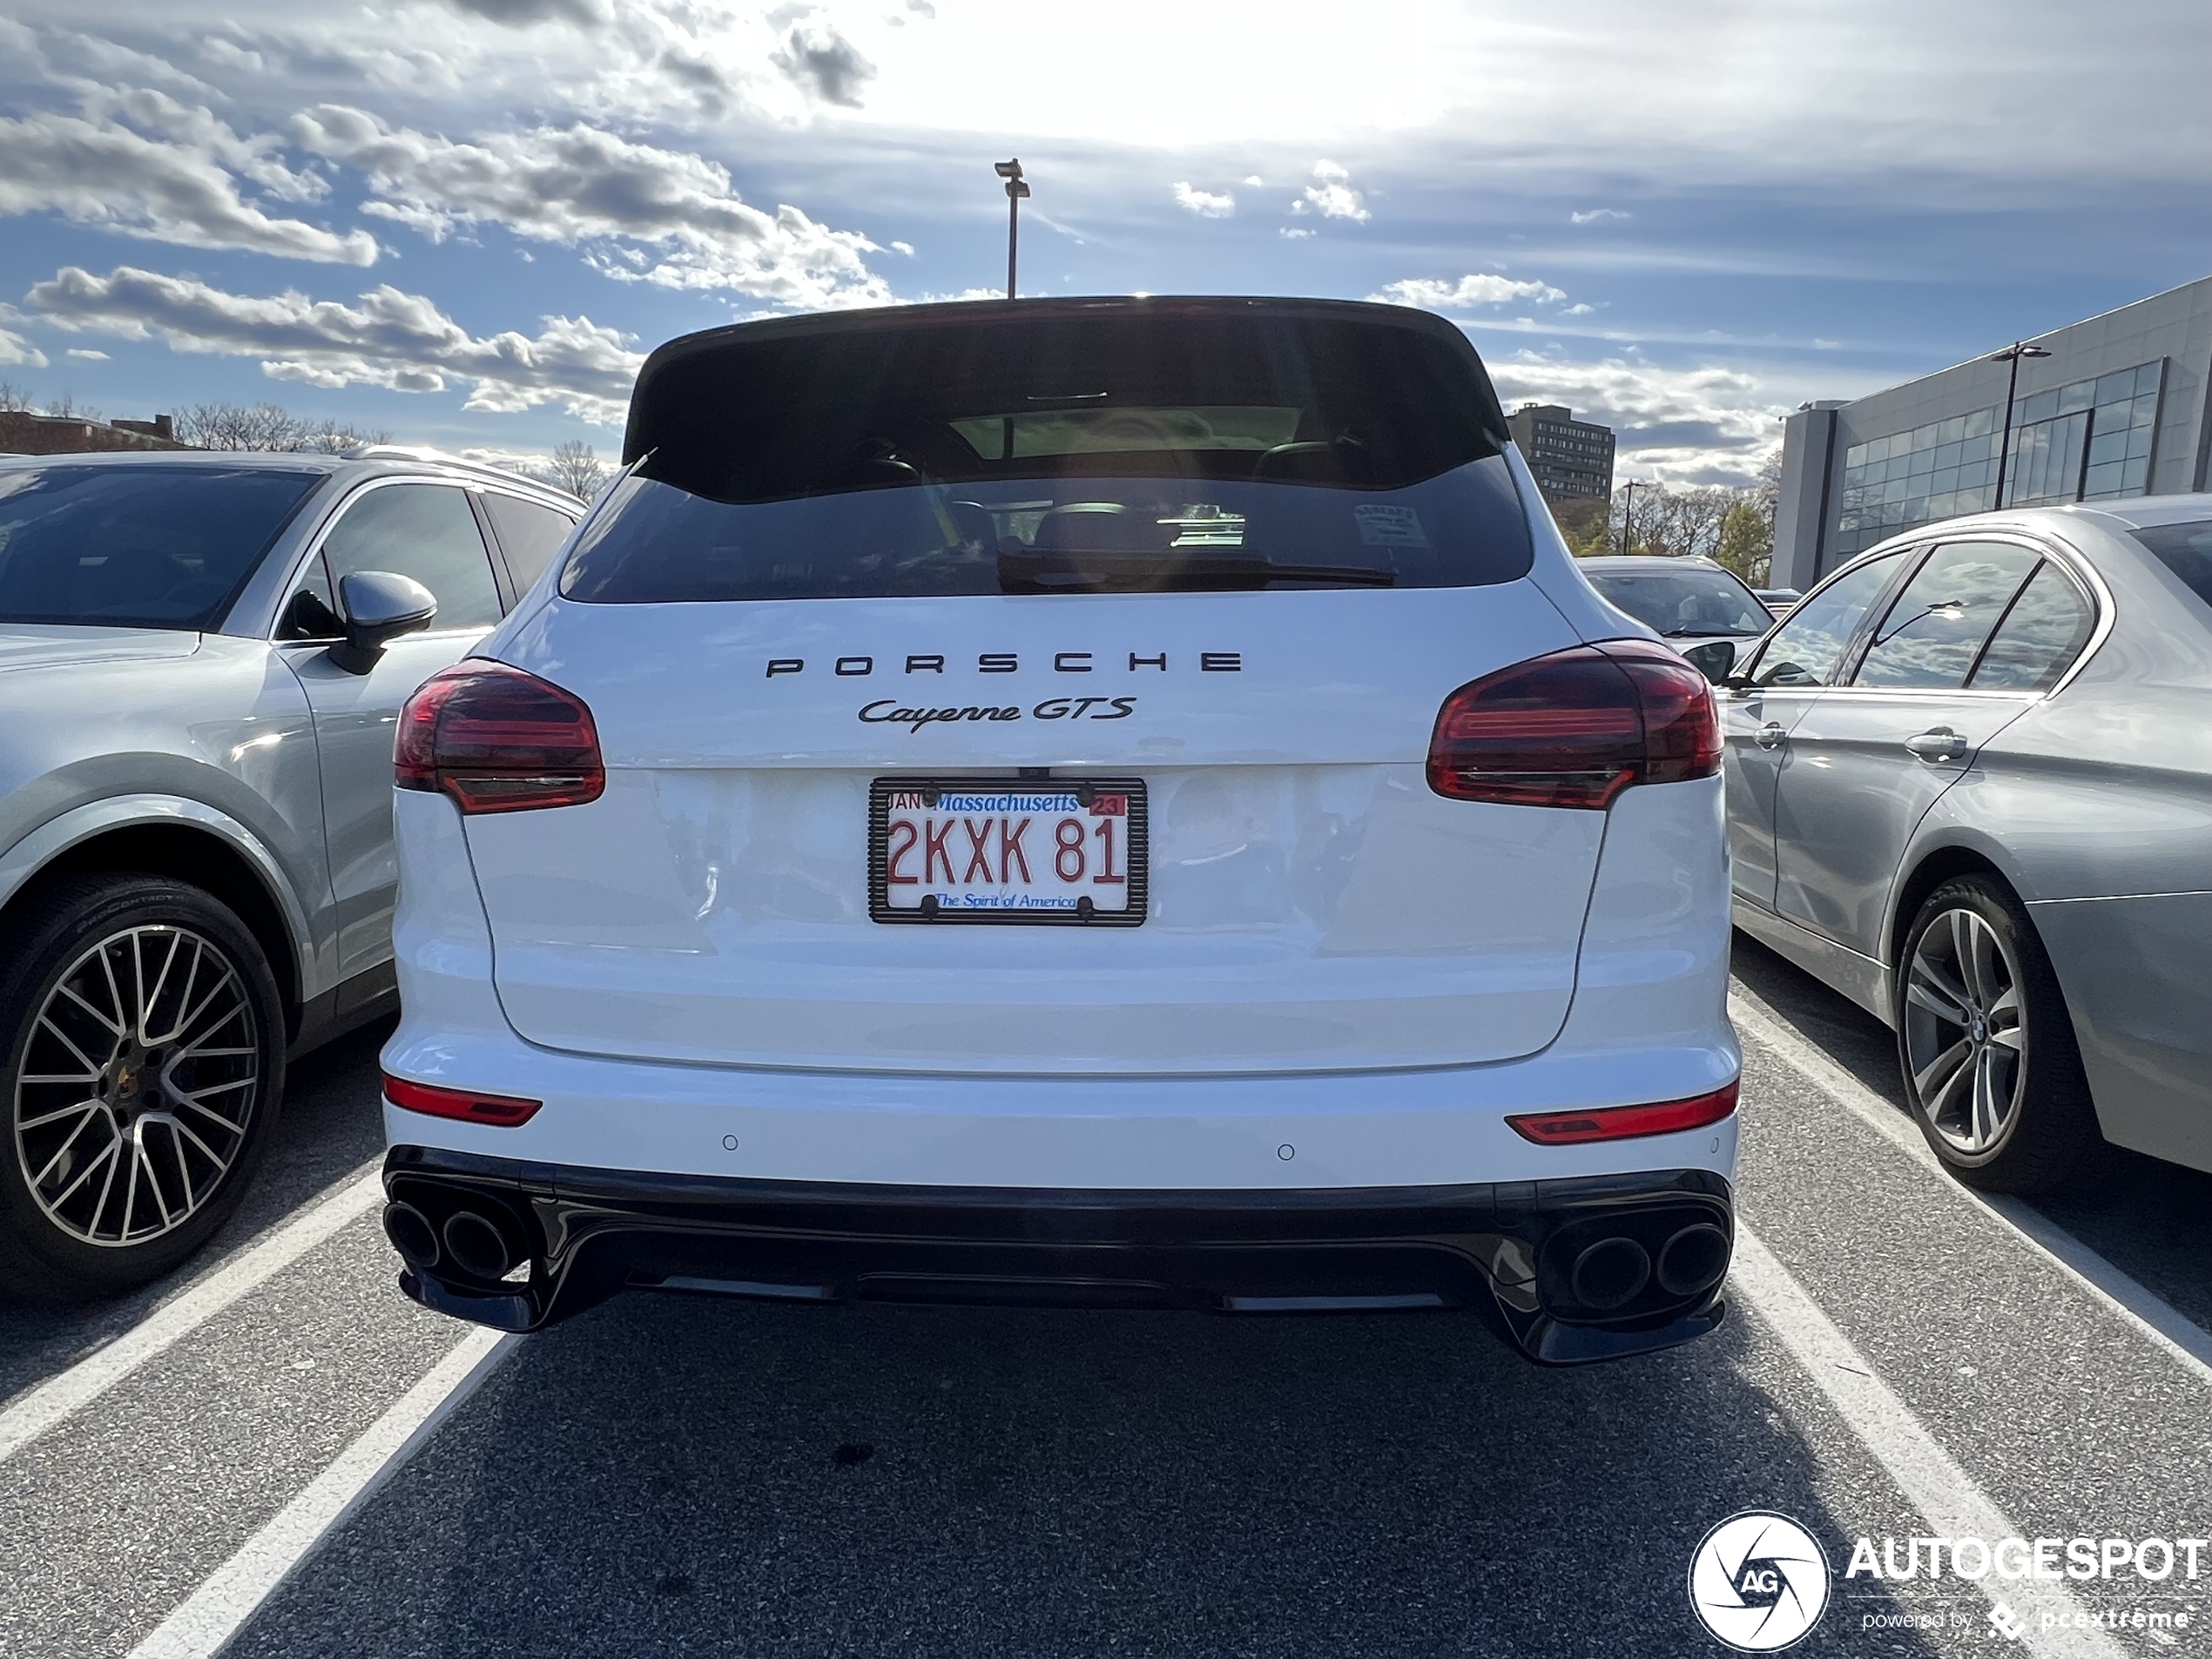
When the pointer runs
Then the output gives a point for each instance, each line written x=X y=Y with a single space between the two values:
x=1759 y=1581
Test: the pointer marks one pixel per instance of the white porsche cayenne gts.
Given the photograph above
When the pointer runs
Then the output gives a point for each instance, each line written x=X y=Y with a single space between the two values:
x=1118 y=801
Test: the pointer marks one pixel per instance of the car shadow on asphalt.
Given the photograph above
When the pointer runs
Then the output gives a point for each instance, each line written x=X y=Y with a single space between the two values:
x=330 y=1122
x=691 y=1475
x=2150 y=1218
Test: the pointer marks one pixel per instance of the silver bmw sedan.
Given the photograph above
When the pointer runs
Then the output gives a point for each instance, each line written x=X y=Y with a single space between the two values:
x=1970 y=786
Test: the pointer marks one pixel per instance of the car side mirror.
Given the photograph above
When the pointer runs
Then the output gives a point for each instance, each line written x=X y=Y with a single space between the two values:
x=1712 y=660
x=378 y=606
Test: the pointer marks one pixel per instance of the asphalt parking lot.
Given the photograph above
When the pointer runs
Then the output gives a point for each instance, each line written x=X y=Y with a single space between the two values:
x=251 y=1452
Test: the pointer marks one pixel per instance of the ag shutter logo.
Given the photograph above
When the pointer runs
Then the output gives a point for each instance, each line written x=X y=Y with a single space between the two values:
x=1759 y=1581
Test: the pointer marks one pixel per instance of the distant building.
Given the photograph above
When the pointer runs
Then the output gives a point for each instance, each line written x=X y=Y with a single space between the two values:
x=2121 y=406
x=1572 y=460
x=24 y=434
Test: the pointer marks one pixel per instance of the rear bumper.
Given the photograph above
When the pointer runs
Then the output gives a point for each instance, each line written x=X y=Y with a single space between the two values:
x=1580 y=1269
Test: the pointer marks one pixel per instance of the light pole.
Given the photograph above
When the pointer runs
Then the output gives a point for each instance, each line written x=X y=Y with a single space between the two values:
x=1628 y=512
x=2012 y=355
x=1016 y=189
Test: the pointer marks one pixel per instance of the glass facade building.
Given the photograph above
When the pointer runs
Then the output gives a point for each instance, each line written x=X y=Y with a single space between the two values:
x=2088 y=441
x=2113 y=407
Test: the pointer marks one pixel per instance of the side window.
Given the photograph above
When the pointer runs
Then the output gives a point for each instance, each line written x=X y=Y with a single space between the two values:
x=2040 y=637
x=529 y=534
x=1806 y=649
x=425 y=531
x=310 y=613
x=1935 y=630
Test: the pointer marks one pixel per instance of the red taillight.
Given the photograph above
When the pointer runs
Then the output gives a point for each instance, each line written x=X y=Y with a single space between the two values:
x=498 y=740
x=502 y=1112
x=1576 y=727
x=1625 y=1122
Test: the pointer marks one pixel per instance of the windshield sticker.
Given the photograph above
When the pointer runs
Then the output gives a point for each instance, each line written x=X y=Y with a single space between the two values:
x=1385 y=526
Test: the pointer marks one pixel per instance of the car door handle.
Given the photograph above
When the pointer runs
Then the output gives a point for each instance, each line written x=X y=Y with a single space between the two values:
x=1772 y=735
x=1939 y=744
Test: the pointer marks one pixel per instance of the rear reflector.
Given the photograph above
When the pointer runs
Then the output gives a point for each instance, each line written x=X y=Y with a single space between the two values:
x=498 y=740
x=1576 y=727
x=502 y=1112
x=1625 y=1122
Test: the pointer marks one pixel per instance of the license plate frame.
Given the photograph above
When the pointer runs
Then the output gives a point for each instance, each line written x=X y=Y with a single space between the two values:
x=1136 y=851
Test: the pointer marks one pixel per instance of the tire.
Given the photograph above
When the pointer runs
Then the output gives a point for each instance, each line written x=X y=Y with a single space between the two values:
x=1992 y=1070
x=119 y=1158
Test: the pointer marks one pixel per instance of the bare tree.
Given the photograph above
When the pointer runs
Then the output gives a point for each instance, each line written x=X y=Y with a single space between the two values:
x=13 y=398
x=68 y=408
x=266 y=426
x=575 y=467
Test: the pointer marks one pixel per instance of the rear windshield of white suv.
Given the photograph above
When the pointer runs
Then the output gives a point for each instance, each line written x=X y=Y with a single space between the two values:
x=1058 y=454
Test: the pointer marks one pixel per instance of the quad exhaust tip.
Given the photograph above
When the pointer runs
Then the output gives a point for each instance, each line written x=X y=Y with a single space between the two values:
x=1610 y=1273
x=1693 y=1260
x=412 y=1235
x=1614 y=1271
x=477 y=1246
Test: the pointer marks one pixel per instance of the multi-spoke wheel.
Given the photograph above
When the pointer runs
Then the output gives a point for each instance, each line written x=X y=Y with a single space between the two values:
x=1991 y=1066
x=145 y=1066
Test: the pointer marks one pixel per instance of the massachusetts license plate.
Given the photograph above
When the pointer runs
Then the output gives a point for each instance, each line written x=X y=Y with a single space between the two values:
x=970 y=849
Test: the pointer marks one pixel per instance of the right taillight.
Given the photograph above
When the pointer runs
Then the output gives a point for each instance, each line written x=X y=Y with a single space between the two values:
x=498 y=740
x=1576 y=727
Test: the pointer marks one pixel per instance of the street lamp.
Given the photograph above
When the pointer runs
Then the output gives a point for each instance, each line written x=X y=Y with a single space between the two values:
x=1015 y=191
x=2012 y=355
x=1628 y=512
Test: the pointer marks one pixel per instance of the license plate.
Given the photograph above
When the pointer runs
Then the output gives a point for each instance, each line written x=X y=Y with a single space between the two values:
x=984 y=849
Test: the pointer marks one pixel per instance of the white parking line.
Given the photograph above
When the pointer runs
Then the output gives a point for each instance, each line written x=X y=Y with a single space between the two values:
x=89 y=1377
x=213 y=1614
x=2131 y=1302
x=1930 y=1477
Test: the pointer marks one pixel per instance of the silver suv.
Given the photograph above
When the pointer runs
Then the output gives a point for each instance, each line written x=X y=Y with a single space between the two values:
x=201 y=660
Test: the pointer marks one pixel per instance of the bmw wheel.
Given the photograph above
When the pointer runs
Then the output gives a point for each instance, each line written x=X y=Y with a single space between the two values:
x=145 y=1062
x=1992 y=1069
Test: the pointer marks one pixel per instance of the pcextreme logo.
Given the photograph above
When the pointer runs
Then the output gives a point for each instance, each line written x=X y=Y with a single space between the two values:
x=1759 y=1581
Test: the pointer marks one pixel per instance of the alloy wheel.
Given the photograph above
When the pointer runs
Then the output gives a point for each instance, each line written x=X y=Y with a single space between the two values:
x=137 y=1087
x=1966 y=1032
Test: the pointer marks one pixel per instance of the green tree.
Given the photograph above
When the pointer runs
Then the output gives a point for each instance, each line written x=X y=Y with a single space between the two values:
x=1747 y=543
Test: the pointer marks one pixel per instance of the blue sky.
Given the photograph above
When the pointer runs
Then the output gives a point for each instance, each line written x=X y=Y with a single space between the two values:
x=463 y=221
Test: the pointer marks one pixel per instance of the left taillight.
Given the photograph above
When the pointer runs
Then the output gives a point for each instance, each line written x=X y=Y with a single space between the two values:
x=497 y=739
x=1576 y=727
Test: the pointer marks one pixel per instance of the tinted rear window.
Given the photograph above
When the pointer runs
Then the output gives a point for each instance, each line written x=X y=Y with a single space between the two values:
x=1025 y=454
x=137 y=547
x=2186 y=549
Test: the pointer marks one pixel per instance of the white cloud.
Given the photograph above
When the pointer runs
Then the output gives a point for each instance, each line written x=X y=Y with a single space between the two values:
x=397 y=340
x=1678 y=425
x=1431 y=294
x=1254 y=180
x=579 y=185
x=16 y=350
x=98 y=170
x=89 y=356
x=519 y=13
x=1595 y=216
x=1205 y=204
x=1331 y=195
x=1294 y=232
x=823 y=63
